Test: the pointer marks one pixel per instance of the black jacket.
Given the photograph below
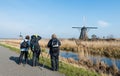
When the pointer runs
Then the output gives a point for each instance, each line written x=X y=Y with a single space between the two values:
x=34 y=43
x=54 y=50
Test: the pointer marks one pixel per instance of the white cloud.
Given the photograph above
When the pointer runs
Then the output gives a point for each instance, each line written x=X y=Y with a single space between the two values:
x=103 y=23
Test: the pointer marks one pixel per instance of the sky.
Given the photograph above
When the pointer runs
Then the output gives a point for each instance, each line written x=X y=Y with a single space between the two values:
x=45 y=17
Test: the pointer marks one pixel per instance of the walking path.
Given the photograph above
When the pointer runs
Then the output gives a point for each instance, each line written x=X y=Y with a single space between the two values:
x=9 y=66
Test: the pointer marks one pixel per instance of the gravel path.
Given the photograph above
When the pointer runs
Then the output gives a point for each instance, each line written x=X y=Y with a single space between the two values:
x=9 y=66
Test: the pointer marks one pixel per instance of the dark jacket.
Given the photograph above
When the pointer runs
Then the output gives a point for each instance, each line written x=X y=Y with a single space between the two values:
x=34 y=43
x=54 y=50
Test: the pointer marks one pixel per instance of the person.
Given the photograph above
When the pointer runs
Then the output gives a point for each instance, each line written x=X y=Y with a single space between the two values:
x=24 y=47
x=54 y=45
x=35 y=48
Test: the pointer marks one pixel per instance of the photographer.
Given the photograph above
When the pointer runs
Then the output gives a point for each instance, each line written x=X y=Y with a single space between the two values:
x=54 y=45
x=35 y=48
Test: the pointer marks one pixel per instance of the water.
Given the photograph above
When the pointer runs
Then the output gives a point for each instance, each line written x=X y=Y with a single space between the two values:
x=108 y=61
x=69 y=55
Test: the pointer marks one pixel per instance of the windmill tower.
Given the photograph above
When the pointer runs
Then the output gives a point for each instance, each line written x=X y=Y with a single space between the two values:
x=20 y=36
x=83 y=31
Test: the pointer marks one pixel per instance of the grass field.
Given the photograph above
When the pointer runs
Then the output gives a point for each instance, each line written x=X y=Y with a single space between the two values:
x=67 y=69
x=102 y=48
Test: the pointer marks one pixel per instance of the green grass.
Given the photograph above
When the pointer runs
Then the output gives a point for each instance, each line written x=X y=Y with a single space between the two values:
x=11 y=48
x=64 y=68
x=68 y=69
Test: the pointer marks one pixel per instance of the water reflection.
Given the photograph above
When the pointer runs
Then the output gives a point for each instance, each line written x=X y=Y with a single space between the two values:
x=75 y=56
x=108 y=61
x=69 y=55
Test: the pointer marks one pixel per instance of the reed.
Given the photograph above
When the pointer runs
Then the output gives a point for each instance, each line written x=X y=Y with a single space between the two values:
x=103 y=48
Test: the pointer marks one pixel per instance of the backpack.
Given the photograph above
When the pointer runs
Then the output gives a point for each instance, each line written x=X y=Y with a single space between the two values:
x=24 y=44
x=55 y=43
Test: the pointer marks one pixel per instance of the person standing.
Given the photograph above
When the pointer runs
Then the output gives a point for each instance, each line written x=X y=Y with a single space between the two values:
x=54 y=46
x=35 y=48
x=24 y=47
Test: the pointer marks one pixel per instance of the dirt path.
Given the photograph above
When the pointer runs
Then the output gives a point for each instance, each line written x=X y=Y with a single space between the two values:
x=9 y=66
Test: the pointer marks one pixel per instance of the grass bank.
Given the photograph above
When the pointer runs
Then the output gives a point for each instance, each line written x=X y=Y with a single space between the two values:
x=67 y=69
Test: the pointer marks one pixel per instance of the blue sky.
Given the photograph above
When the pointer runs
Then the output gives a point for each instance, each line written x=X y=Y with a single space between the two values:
x=45 y=17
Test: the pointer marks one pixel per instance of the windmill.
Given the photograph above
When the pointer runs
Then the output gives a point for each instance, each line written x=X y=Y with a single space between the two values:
x=20 y=36
x=83 y=31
